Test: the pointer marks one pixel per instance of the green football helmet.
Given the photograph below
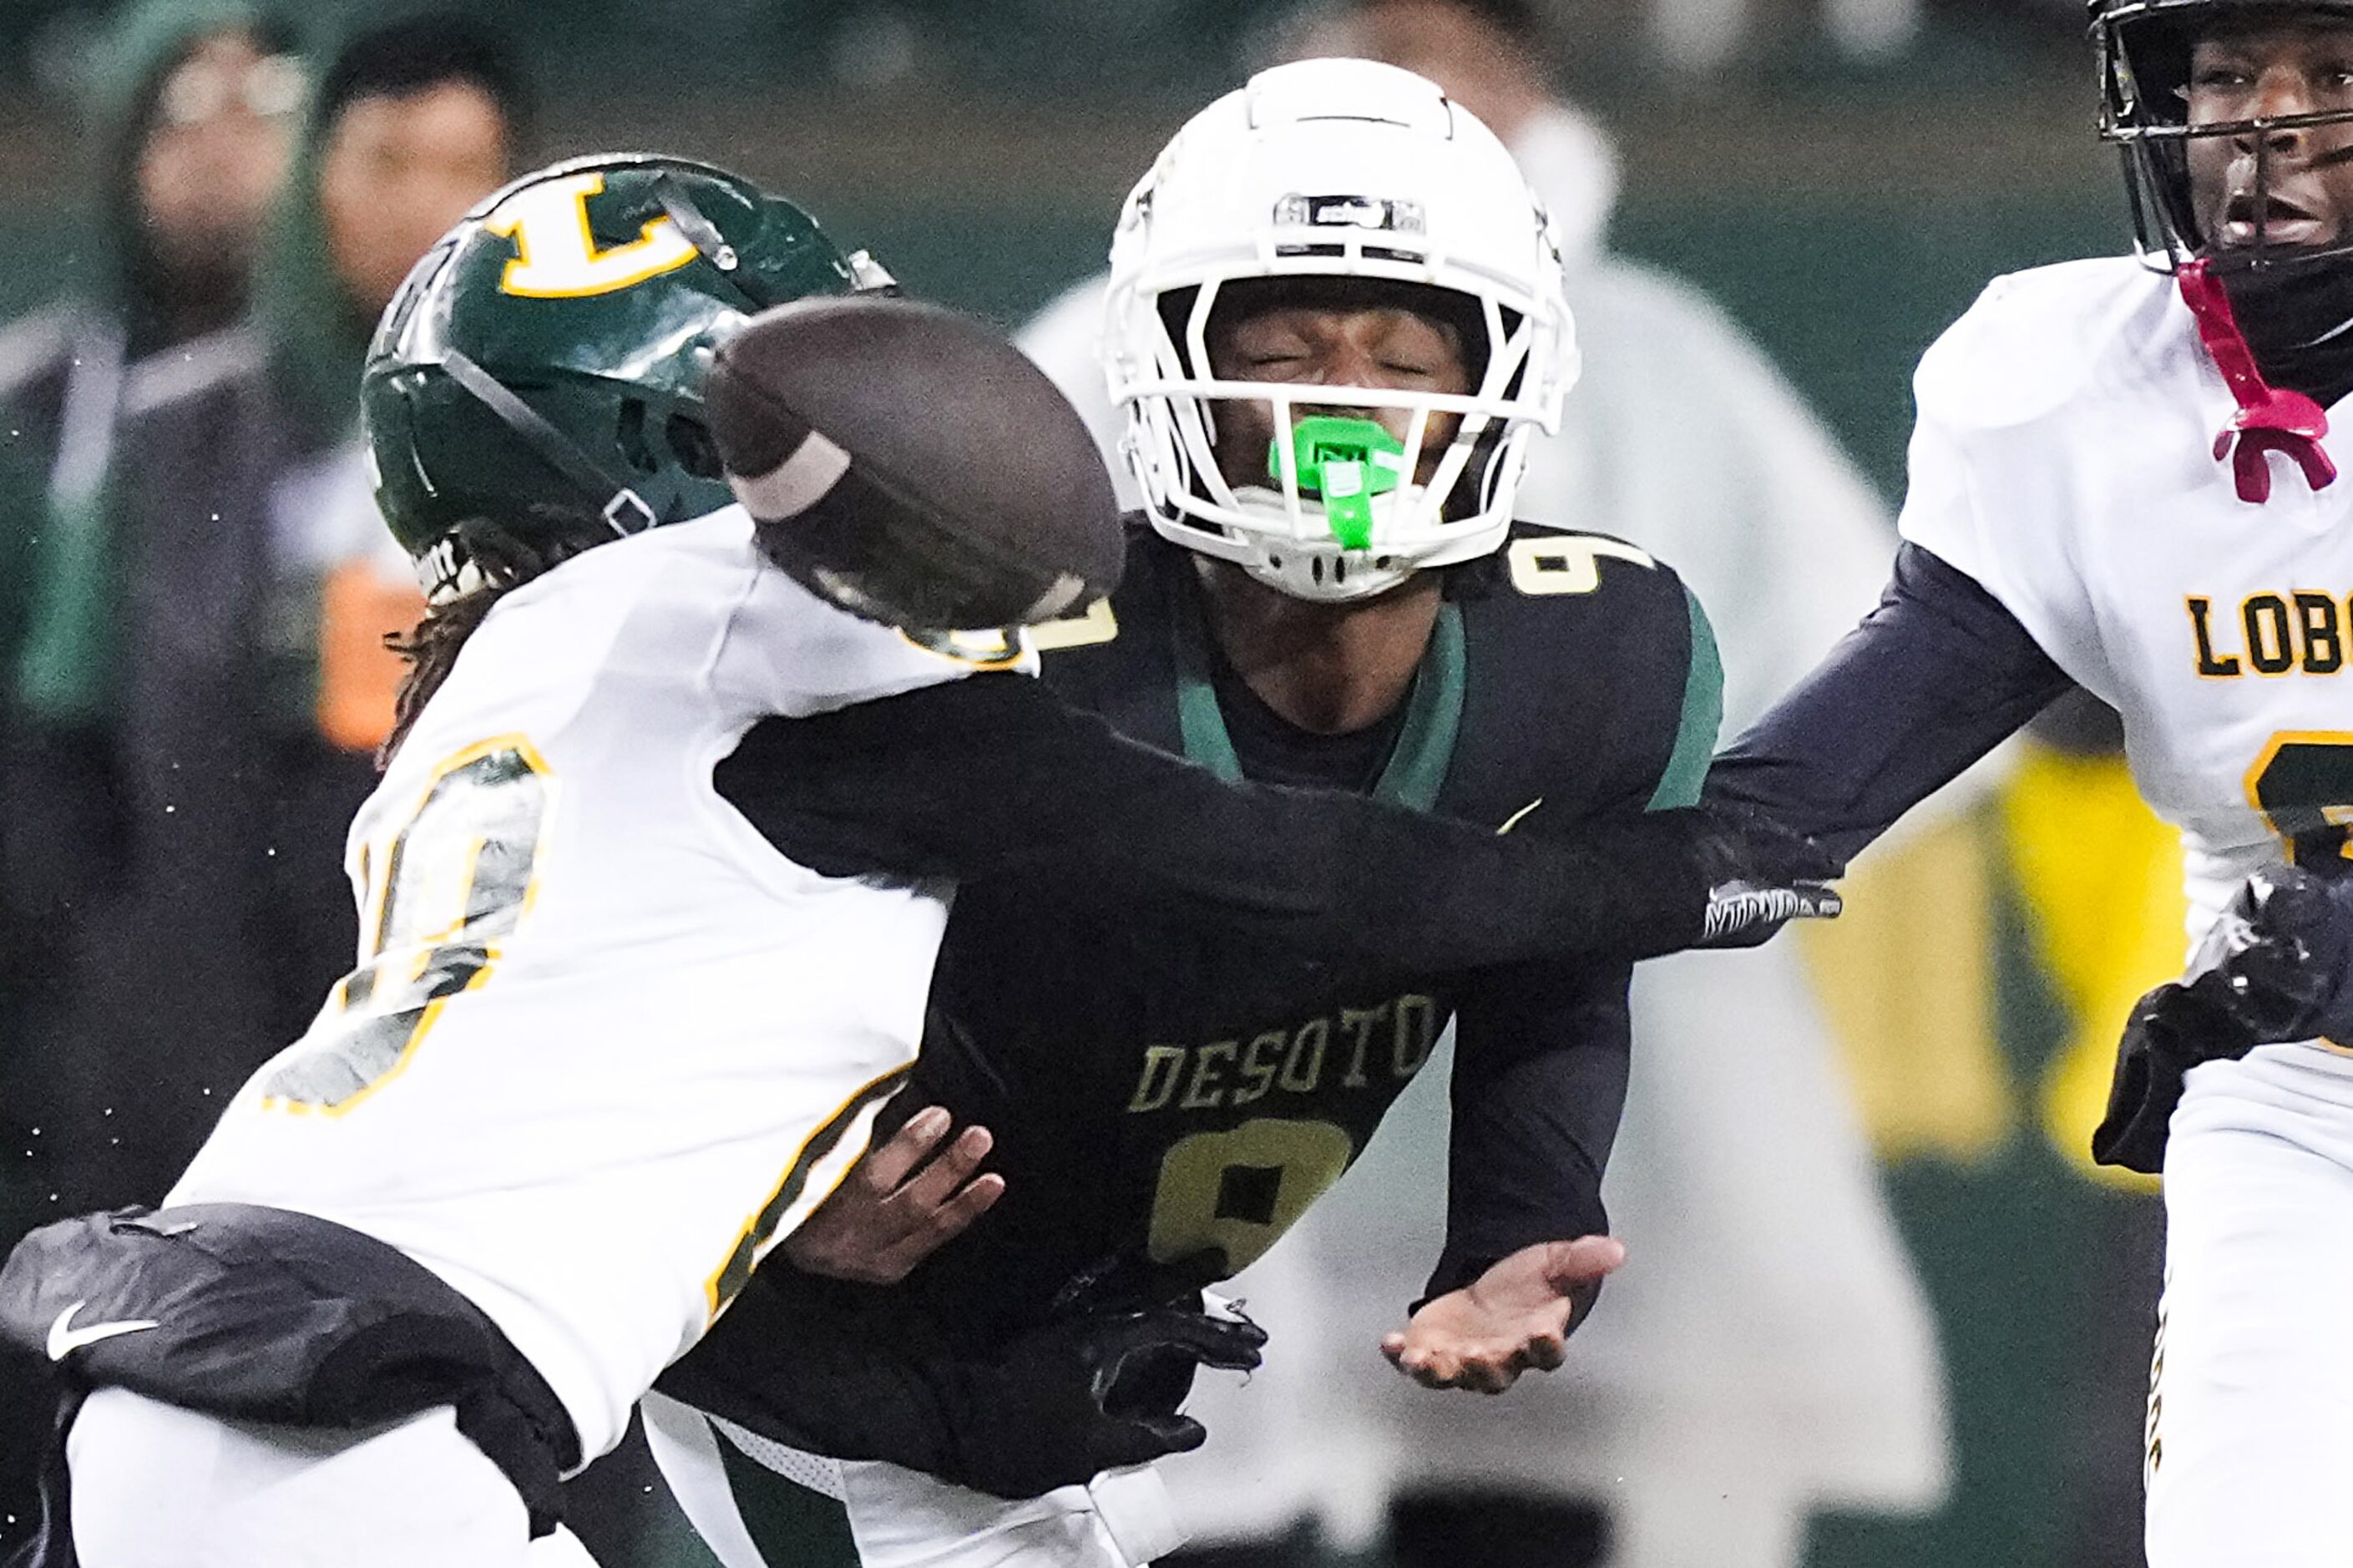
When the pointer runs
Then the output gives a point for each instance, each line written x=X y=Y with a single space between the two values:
x=535 y=388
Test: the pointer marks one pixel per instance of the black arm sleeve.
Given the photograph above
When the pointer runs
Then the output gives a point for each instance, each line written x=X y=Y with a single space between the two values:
x=1540 y=1064
x=1935 y=678
x=993 y=774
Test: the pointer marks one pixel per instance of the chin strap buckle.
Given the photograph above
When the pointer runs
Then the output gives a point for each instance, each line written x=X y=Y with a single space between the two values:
x=627 y=513
x=2269 y=419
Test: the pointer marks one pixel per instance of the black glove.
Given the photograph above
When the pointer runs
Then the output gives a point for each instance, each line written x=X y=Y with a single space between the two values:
x=2277 y=966
x=2284 y=952
x=1760 y=875
x=1091 y=1394
x=859 y=1373
x=2172 y=1030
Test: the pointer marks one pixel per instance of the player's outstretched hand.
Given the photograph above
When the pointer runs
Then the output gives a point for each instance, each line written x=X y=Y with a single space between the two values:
x=1760 y=875
x=1513 y=1319
x=899 y=1204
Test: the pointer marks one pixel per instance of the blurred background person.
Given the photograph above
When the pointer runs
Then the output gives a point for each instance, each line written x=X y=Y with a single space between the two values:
x=194 y=699
x=190 y=111
x=189 y=119
x=1733 y=1381
x=182 y=767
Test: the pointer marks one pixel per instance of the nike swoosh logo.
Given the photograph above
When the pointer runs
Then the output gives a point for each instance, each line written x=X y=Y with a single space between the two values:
x=65 y=1339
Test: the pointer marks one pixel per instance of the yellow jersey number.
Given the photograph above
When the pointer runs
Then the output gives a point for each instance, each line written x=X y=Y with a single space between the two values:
x=1237 y=1191
x=1544 y=564
x=459 y=878
x=2303 y=784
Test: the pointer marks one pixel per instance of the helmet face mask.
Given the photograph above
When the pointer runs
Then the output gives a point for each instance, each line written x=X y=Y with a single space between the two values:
x=2145 y=51
x=535 y=387
x=1365 y=183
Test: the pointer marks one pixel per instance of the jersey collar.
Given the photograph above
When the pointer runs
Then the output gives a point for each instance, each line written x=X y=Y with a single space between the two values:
x=1424 y=746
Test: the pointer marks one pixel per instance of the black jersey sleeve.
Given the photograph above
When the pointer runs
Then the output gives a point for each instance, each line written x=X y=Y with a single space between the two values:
x=1541 y=1055
x=1540 y=1066
x=993 y=774
x=1933 y=679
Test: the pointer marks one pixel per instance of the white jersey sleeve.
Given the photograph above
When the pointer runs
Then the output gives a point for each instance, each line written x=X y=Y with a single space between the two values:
x=604 y=1045
x=1999 y=449
x=783 y=652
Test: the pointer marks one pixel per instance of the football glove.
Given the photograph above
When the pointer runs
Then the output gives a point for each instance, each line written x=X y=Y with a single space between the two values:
x=2276 y=966
x=1760 y=875
x=1087 y=1395
x=2172 y=1030
x=2283 y=952
x=881 y=1380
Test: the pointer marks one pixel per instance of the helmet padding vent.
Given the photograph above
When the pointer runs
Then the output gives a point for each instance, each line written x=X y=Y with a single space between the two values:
x=691 y=448
x=630 y=432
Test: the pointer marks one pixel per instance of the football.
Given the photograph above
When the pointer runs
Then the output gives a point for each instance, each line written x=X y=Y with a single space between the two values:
x=909 y=464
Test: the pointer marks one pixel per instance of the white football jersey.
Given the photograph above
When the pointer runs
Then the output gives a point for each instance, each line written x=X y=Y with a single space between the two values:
x=604 y=1044
x=2065 y=459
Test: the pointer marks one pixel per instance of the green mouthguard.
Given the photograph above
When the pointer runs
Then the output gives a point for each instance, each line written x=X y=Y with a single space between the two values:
x=1344 y=463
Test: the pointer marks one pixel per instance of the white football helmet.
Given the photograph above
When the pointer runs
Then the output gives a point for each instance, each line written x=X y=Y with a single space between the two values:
x=1336 y=169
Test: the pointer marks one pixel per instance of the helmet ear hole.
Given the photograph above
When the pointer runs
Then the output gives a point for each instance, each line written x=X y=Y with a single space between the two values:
x=691 y=447
x=629 y=433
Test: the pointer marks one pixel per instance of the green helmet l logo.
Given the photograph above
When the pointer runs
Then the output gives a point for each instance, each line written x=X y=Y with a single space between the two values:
x=536 y=386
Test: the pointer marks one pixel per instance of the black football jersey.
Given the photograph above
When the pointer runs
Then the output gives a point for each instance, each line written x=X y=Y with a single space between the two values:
x=1166 y=1099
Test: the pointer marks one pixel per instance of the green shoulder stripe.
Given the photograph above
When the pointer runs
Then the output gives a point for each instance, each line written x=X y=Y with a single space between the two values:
x=1424 y=746
x=1703 y=715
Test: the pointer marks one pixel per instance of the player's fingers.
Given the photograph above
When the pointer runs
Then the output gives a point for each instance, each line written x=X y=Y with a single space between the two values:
x=940 y=1180
x=1225 y=1343
x=1485 y=1375
x=1150 y=1436
x=1568 y=1263
x=886 y=1166
x=933 y=1229
x=975 y=1199
x=1544 y=1352
x=1429 y=1368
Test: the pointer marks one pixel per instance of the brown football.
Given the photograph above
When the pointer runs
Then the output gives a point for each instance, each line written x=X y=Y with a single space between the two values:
x=907 y=462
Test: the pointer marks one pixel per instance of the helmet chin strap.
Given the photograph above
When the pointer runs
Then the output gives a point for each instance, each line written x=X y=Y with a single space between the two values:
x=623 y=509
x=2270 y=419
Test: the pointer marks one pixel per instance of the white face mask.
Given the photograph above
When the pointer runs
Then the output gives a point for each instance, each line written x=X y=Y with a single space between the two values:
x=1338 y=169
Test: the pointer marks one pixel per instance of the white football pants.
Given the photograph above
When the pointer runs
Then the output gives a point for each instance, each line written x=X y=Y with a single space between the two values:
x=158 y=1487
x=2250 y=1457
x=903 y=1519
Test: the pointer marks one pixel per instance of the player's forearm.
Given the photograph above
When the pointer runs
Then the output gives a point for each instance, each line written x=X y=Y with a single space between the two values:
x=1540 y=1072
x=1933 y=679
x=992 y=774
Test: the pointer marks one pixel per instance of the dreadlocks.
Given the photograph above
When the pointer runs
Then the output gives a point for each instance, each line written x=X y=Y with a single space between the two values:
x=432 y=648
x=502 y=562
